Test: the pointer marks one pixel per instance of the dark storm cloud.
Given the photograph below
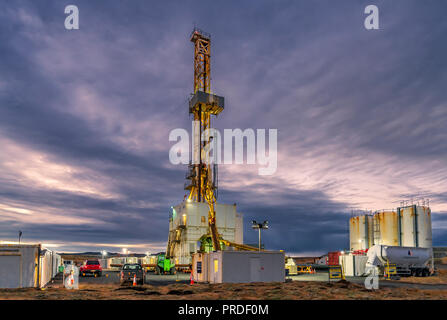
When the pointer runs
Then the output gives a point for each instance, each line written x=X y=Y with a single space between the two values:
x=301 y=221
x=102 y=100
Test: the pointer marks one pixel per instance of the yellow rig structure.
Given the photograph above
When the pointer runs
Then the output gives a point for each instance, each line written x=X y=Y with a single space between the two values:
x=202 y=174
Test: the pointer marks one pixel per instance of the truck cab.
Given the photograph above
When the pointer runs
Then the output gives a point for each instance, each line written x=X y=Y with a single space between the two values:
x=131 y=271
x=92 y=267
x=164 y=265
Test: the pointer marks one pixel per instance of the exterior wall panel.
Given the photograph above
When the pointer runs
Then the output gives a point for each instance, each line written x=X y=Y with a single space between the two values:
x=239 y=267
x=191 y=221
x=18 y=266
x=424 y=227
x=361 y=232
x=407 y=222
x=388 y=228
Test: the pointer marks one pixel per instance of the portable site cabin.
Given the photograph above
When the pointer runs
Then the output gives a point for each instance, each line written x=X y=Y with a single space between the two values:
x=115 y=263
x=353 y=265
x=27 y=265
x=239 y=266
x=49 y=263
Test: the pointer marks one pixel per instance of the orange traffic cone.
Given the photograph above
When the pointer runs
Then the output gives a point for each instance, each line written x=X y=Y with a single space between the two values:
x=191 y=279
x=134 y=280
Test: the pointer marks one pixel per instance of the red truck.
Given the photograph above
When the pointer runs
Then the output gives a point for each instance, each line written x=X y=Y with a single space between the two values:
x=90 y=267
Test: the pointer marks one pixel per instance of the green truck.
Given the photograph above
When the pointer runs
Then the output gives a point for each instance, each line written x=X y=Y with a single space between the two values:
x=164 y=265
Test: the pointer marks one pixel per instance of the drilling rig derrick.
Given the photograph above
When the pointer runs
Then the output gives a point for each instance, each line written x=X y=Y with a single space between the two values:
x=202 y=171
x=203 y=104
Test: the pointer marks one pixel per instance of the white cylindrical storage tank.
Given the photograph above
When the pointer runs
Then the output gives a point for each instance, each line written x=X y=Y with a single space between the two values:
x=360 y=232
x=386 y=227
x=415 y=226
x=354 y=233
x=424 y=227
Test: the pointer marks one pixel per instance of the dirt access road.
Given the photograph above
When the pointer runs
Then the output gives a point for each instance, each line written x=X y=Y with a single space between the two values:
x=113 y=277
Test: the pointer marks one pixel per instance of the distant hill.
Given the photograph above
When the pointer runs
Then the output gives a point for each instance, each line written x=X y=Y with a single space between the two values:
x=96 y=254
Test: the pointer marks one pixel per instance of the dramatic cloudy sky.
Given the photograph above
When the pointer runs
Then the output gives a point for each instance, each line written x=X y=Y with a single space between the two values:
x=85 y=116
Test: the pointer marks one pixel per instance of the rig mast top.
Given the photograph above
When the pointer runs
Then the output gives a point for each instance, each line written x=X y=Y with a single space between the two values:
x=202 y=55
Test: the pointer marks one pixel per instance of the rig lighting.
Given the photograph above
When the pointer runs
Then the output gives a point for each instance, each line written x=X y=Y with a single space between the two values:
x=259 y=226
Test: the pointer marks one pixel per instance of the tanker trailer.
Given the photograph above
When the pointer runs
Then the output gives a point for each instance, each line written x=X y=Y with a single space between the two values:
x=408 y=260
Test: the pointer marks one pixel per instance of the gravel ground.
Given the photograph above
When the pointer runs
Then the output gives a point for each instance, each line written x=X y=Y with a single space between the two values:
x=270 y=291
x=177 y=287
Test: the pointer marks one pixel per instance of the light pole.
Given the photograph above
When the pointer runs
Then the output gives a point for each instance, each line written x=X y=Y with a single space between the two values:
x=259 y=226
x=104 y=254
x=20 y=235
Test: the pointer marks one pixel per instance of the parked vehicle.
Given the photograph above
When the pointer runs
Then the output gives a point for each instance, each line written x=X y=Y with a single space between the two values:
x=129 y=271
x=164 y=265
x=90 y=267
x=409 y=261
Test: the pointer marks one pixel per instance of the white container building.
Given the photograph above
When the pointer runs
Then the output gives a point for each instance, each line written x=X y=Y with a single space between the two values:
x=353 y=265
x=116 y=263
x=238 y=266
x=27 y=265
x=49 y=263
x=189 y=221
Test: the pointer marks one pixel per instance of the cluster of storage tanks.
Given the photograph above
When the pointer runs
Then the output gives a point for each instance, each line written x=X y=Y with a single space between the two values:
x=408 y=226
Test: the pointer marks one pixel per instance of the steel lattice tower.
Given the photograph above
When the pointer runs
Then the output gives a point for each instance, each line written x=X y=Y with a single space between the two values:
x=202 y=174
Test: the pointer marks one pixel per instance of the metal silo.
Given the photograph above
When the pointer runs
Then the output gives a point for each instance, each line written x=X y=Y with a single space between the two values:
x=360 y=232
x=354 y=232
x=386 y=228
x=415 y=226
x=424 y=225
x=370 y=222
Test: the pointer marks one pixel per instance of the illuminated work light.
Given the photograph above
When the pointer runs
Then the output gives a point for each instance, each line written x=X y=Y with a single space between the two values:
x=259 y=226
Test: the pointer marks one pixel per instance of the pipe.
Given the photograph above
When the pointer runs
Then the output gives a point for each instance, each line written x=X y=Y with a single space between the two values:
x=416 y=231
x=38 y=266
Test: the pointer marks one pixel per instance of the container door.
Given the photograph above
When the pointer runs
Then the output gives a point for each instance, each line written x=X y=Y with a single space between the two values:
x=10 y=271
x=255 y=270
x=215 y=271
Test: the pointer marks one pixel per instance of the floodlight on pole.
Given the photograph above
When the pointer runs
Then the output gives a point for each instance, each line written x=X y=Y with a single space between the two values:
x=259 y=226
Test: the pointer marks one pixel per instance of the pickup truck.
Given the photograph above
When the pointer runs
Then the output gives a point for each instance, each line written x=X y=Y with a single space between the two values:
x=131 y=270
x=91 y=267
